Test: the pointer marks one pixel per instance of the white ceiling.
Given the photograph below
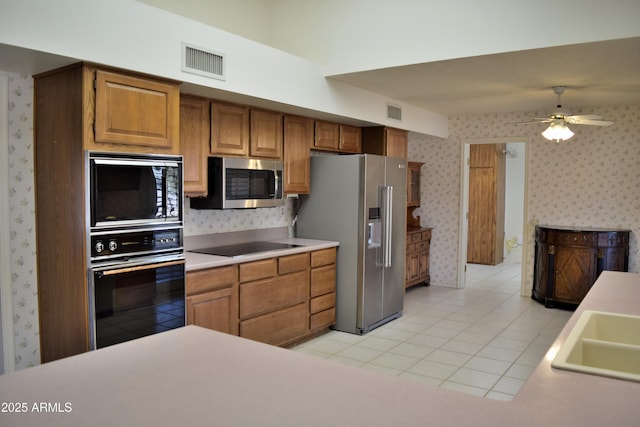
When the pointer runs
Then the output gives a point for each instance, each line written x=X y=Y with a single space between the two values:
x=596 y=74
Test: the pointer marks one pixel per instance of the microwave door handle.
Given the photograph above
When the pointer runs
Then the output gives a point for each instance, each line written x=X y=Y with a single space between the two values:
x=277 y=184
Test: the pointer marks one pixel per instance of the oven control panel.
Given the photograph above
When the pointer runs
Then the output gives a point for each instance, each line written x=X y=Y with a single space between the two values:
x=135 y=242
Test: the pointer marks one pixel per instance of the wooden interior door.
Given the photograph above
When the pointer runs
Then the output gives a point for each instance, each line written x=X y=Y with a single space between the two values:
x=486 y=204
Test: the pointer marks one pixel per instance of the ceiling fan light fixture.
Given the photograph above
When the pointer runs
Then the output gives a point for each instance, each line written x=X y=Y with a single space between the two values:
x=557 y=131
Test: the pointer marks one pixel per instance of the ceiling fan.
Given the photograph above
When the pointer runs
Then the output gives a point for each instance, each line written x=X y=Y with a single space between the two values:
x=558 y=129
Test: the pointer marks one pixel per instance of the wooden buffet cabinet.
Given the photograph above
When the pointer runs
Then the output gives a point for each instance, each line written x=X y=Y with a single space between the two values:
x=568 y=262
x=278 y=301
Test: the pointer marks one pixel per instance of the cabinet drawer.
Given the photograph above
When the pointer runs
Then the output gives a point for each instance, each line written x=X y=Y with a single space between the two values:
x=270 y=295
x=324 y=319
x=323 y=302
x=426 y=235
x=293 y=263
x=277 y=328
x=577 y=238
x=323 y=280
x=414 y=237
x=210 y=279
x=323 y=257
x=258 y=270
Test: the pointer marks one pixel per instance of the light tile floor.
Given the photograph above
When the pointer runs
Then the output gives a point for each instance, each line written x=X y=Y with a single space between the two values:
x=484 y=339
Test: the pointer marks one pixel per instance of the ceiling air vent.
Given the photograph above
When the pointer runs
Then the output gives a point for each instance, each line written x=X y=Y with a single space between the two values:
x=394 y=112
x=204 y=62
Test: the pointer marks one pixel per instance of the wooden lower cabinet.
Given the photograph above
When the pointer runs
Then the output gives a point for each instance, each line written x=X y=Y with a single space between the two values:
x=212 y=299
x=568 y=262
x=279 y=301
x=417 y=257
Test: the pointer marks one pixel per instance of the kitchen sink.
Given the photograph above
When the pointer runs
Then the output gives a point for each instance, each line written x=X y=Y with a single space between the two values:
x=601 y=343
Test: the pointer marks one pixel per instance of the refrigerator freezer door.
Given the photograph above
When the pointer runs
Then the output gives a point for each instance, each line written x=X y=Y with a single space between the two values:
x=393 y=292
x=370 y=292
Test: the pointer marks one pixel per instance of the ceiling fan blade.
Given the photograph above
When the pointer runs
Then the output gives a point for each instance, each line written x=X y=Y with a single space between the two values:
x=534 y=121
x=591 y=122
x=585 y=116
x=587 y=119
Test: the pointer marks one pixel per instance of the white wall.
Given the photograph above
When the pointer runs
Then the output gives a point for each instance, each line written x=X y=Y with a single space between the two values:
x=132 y=35
x=514 y=198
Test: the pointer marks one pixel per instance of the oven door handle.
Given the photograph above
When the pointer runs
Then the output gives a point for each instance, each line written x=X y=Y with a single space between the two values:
x=139 y=267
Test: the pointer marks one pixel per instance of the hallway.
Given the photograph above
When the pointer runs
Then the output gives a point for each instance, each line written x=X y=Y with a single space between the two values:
x=484 y=339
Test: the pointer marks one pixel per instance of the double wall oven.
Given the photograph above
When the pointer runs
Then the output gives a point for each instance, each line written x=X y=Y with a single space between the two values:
x=135 y=246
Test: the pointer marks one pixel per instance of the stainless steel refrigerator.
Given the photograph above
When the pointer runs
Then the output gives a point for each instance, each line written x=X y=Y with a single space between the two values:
x=360 y=201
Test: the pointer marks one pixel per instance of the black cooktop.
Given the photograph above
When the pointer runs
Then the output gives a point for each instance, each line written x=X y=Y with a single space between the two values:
x=244 y=248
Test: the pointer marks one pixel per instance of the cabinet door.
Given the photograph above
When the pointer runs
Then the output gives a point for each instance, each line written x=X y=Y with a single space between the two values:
x=136 y=114
x=229 y=129
x=350 y=139
x=413 y=183
x=481 y=239
x=298 y=138
x=194 y=144
x=266 y=134
x=424 y=264
x=279 y=327
x=575 y=271
x=215 y=310
x=327 y=136
x=413 y=266
x=397 y=143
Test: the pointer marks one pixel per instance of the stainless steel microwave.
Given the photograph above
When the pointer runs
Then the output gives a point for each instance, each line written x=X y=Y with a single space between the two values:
x=239 y=183
x=128 y=190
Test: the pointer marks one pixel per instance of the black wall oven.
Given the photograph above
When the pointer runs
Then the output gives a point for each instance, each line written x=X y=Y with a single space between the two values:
x=136 y=271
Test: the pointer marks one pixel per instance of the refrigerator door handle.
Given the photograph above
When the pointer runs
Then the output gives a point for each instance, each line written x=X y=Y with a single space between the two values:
x=387 y=220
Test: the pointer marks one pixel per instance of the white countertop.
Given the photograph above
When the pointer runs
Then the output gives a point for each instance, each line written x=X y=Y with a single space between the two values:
x=194 y=376
x=197 y=261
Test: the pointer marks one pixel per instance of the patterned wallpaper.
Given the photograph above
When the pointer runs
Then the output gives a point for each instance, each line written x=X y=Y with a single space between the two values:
x=198 y=222
x=591 y=180
x=22 y=222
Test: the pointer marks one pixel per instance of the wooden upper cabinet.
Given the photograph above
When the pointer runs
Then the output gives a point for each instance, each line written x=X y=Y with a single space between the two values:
x=337 y=138
x=327 y=136
x=135 y=113
x=350 y=139
x=385 y=141
x=229 y=129
x=266 y=134
x=298 y=138
x=397 y=143
x=194 y=143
